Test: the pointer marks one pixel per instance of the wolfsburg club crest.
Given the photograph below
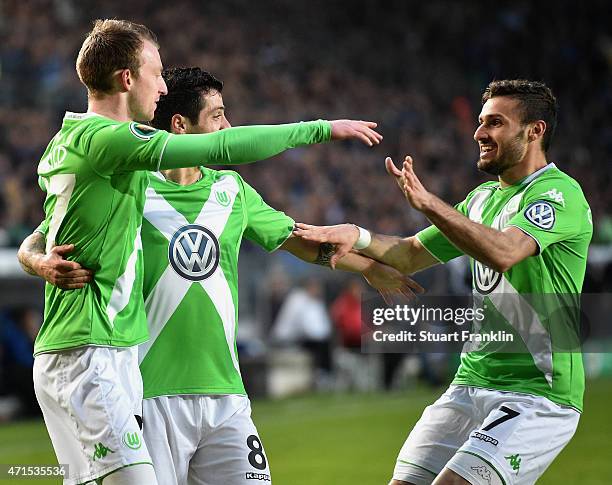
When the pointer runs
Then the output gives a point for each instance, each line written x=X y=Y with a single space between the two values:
x=485 y=278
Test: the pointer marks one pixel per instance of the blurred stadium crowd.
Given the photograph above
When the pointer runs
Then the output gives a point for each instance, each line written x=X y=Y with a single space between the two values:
x=417 y=68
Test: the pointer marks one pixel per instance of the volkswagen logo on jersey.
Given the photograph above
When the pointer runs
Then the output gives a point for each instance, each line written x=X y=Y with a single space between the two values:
x=194 y=252
x=485 y=278
x=541 y=214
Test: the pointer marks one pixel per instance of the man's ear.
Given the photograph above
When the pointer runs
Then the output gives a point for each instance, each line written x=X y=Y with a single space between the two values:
x=178 y=124
x=122 y=80
x=537 y=130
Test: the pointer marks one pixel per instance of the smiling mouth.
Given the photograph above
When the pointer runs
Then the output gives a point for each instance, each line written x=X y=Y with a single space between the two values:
x=486 y=149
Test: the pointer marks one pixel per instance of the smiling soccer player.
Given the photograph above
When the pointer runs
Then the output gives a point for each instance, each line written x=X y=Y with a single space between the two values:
x=507 y=413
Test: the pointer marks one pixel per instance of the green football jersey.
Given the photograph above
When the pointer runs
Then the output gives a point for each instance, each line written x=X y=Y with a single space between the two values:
x=191 y=238
x=550 y=207
x=94 y=174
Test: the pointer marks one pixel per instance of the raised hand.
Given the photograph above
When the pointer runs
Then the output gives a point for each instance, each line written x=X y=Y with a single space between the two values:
x=355 y=130
x=408 y=182
x=343 y=236
x=67 y=275
x=389 y=282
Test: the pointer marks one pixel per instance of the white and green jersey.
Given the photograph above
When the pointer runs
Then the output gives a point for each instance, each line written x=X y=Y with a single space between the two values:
x=93 y=173
x=550 y=207
x=191 y=238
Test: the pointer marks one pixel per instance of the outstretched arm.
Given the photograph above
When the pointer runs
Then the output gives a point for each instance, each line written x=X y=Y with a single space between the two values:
x=52 y=267
x=407 y=255
x=385 y=279
x=126 y=147
x=499 y=250
x=246 y=144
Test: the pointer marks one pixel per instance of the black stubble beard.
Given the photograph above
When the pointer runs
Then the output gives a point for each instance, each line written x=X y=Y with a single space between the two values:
x=513 y=153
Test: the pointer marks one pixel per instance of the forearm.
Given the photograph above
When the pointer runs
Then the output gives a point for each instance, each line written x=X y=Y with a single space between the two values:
x=242 y=144
x=391 y=250
x=31 y=251
x=485 y=244
x=385 y=279
x=356 y=263
x=320 y=253
x=404 y=254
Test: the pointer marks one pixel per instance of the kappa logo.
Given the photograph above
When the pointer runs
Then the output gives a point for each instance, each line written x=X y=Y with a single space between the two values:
x=484 y=437
x=483 y=472
x=100 y=451
x=144 y=132
x=194 y=252
x=541 y=214
x=515 y=462
x=485 y=278
x=263 y=477
x=555 y=195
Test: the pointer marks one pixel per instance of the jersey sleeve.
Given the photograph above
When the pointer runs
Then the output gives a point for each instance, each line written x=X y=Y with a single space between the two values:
x=43 y=228
x=242 y=144
x=265 y=226
x=551 y=210
x=436 y=242
x=126 y=147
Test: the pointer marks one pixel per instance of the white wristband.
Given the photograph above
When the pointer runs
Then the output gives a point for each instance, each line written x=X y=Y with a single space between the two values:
x=365 y=238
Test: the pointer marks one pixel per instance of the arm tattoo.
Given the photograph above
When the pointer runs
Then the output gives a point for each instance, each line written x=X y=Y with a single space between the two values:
x=326 y=251
x=33 y=246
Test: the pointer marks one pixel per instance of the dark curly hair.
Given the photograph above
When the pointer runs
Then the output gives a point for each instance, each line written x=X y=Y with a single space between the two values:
x=536 y=100
x=185 y=88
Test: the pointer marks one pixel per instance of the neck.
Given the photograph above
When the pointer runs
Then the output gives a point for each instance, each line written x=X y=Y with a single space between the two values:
x=113 y=106
x=531 y=163
x=183 y=176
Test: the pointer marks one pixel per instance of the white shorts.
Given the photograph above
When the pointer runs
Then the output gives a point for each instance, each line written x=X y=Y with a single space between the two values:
x=204 y=440
x=486 y=436
x=89 y=397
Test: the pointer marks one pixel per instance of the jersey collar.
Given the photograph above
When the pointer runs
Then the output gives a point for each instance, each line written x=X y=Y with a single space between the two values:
x=530 y=178
x=537 y=173
x=79 y=116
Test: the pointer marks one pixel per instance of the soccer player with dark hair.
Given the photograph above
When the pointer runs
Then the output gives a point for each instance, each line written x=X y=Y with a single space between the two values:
x=199 y=427
x=86 y=373
x=508 y=413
